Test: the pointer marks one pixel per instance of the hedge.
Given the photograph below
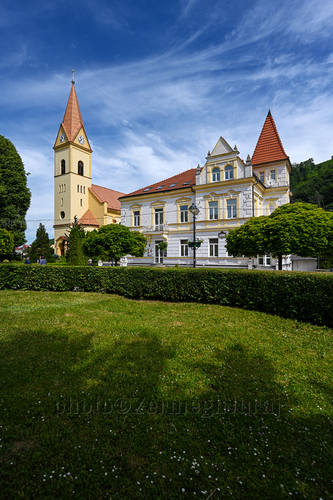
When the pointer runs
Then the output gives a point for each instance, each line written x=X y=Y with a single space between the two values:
x=301 y=296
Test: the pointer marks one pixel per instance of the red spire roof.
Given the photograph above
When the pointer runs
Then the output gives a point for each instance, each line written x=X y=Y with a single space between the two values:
x=269 y=146
x=72 y=119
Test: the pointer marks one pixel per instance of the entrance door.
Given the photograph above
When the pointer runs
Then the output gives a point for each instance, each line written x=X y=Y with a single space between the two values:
x=158 y=253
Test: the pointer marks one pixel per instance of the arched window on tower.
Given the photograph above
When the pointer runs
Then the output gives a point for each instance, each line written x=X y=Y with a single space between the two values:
x=63 y=167
x=80 y=168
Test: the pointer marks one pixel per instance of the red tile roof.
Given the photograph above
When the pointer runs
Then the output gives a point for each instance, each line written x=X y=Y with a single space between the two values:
x=72 y=121
x=269 y=146
x=183 y=180
x=109 y=195
x=88 y=219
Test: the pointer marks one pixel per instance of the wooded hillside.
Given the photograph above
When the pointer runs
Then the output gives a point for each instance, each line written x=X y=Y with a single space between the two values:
x=312 y=183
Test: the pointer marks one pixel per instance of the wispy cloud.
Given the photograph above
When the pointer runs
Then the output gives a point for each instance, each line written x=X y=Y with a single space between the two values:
x=190 y=74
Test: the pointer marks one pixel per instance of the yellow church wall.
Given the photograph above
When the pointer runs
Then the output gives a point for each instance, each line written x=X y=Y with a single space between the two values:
x=79 y=195
x=80 y=155
x=98 y=209
x=61 y=154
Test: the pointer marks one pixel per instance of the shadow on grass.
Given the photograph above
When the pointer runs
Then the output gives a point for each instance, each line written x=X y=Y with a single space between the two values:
x=104 y=415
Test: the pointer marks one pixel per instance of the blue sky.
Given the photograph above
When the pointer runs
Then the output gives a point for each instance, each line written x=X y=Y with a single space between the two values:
x=159 y=82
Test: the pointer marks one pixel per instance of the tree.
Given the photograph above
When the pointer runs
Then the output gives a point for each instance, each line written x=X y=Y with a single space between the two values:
x=14 y=194
x=113 y=241
x=75 y=238
x=300 y=228
x=41 y=246
x=6 y=242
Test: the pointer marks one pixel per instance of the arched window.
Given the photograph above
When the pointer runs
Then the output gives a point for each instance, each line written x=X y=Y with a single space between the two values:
x=216 y=174
x=228 y=172
x=63 y=167
x=80 y=168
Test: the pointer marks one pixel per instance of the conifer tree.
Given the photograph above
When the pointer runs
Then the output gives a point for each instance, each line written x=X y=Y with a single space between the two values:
x=41 y=246
x=76 y=256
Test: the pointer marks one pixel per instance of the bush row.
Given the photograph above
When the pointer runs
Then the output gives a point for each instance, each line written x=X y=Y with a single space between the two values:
x=301 y=296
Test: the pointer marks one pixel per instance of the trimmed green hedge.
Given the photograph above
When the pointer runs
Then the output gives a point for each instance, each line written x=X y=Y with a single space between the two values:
x=301 y=296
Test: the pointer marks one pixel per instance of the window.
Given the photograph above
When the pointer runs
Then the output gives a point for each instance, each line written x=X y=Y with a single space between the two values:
x=213 y=247
x=78 y=188
x=160 y=187
x=271 y=208
x=213 y=210
x=186 y=183
x=184 y=213
x=231 y=209
x=158 y=217
x=183 y=248
x=64 y=188
x=262 y=176
x=228 y=173
x=264 y=260
x=147 y=189
x=59 y=188
x=62 y=215
x=80 y=168
x=216 y=174
x=136 y=217
x=84 y=190
x=63 y=167
x=173 y=185
x=62 y=201
x=273 y=175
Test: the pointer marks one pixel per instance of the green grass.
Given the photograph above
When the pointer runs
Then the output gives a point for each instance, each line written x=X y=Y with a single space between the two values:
x=105 y=397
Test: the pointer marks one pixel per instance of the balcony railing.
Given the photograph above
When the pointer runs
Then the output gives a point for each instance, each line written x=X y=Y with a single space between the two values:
x=155 y=228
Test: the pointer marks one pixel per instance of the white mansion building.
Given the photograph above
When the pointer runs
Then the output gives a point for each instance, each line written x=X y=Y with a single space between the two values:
x=226 y=190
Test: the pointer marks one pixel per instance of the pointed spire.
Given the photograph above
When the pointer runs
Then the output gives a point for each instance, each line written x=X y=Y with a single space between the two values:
x=72 y=121
x=269 y=146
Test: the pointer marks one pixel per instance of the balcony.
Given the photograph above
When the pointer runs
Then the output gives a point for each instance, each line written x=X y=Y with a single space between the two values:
x=158 y=228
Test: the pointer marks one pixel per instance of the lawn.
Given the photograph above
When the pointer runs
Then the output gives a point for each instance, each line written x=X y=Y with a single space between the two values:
x=105 y=397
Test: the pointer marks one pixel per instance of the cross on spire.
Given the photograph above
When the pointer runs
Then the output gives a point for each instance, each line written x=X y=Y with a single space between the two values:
x=73 y=77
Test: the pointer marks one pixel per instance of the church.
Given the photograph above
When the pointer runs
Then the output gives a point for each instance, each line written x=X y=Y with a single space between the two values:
x=74 y=193
x=225 y=192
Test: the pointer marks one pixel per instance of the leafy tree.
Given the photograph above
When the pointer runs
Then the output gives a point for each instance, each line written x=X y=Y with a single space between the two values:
x=75 y=238
x=14 y=194
x=113 y=241
x=6 y=241
x=300 y=228
x=41 y=246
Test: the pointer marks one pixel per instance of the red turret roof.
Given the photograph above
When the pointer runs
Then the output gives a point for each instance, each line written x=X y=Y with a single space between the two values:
x=72 y=120
x=269 y=146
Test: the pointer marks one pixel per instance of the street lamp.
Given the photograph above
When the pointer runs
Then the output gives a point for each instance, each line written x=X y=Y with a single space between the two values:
x=194 y=211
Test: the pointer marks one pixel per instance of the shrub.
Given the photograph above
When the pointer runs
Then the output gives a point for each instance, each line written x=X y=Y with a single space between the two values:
x=301 y=296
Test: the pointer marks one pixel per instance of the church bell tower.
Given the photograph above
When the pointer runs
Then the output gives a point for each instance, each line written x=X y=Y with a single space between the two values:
x=72 y=171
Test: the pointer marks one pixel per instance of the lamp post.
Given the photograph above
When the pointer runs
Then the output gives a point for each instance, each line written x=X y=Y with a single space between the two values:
x=194 y=211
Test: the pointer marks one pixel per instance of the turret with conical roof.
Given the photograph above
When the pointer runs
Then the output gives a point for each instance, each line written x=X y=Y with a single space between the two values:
x=269 y=146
